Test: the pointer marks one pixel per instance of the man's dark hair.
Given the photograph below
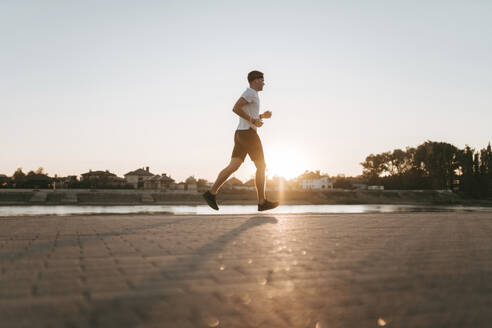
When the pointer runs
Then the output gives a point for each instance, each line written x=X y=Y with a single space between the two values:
x=253 y=75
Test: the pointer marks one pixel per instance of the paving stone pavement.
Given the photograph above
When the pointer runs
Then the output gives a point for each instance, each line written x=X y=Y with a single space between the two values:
x=349 y=270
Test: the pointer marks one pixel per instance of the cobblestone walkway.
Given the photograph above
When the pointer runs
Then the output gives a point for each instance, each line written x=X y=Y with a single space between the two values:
x=363 y=270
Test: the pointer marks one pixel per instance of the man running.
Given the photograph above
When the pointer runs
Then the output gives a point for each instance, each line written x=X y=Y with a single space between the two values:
x=247 y=141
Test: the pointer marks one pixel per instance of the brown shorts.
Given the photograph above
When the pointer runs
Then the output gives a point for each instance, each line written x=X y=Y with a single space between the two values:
x=248 y=142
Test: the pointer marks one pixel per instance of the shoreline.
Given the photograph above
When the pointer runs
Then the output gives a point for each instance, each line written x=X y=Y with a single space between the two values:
x=20 y=211
x=171 y=198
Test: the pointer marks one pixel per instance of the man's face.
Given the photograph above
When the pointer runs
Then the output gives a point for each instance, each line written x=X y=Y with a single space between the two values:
x=258 y=84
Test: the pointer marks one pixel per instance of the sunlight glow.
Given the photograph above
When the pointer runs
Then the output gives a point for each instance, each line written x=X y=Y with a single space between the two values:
x=285 y=162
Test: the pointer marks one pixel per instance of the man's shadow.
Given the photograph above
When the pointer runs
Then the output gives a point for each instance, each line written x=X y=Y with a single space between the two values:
x=168 y=276
x=48 y=245
x=210 y=249
x=176 y=274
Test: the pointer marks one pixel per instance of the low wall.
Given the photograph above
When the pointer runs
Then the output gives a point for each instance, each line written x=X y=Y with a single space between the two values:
x=130 y=197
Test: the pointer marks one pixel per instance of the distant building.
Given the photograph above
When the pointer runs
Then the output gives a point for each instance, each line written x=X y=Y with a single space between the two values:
x=359 y=186
x=152 y=183
x=158 y=182
x=234 y=183
x=138 y=177
x=93 y=175
x=191 y=184
x=204 y=185
x=64 y=182
x=98 y=179
x=277 y=183
x=238 y=185
x=250 y=184
x=322 y=183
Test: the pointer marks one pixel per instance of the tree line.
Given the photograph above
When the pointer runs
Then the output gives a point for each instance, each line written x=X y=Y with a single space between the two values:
x=432 y=165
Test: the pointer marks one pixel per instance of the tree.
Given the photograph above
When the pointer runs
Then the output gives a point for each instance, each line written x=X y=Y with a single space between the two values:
x=35 y=179
x=190 y=180
x=488 y=161
x=5 y=181
x=401 y=161
x=343 y=182
x=374 y=166
x=201 y=183
x=40 y=170
x=439 y=161
x=19 y=178
x=465 y=169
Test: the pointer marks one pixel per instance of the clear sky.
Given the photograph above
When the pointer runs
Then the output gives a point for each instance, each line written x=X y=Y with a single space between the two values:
x=120 y=85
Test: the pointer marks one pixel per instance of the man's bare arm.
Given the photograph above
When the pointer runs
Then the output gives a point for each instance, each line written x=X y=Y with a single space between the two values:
x=266 y=114
x=238 y=109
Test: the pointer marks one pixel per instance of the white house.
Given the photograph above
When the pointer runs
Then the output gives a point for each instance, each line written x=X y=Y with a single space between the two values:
x=322 y=183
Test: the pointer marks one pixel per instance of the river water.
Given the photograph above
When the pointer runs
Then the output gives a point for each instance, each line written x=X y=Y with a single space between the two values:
x=15 y=210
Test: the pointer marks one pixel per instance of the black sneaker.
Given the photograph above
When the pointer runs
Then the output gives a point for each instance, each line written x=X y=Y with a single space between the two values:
x=210 y=200
x=267 y=205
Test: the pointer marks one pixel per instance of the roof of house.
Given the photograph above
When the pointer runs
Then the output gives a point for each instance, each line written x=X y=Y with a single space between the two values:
x=234 y=182
x=140 y=172
x=250 y=182
x=98 y=173
x=165 y=178
x=315 y=179
x=308 y=175
x=68 y=177
x=312 y=176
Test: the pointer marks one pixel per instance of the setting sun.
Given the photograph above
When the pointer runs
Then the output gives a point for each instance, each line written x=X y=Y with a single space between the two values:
x=288 y=163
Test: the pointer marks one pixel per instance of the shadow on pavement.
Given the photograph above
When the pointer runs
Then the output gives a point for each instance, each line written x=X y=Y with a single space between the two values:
x=173 y=276
x=42 y=247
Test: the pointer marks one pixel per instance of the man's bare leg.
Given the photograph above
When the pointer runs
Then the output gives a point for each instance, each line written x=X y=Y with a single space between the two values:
x=226 y=173
x=260 y=181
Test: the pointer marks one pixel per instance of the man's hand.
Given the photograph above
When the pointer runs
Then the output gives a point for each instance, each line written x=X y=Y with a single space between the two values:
x=257 y=122
x=266 y=114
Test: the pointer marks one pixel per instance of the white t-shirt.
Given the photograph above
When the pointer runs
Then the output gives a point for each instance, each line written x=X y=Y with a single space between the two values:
x=252 y=109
